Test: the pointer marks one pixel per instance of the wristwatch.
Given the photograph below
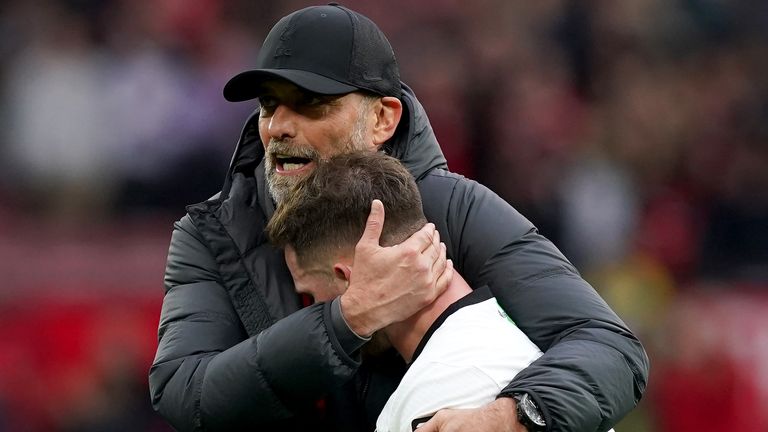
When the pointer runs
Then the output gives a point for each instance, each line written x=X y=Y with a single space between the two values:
x=528 y=414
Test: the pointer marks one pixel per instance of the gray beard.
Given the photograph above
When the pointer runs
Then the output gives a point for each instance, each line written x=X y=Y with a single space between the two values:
x=281 y=186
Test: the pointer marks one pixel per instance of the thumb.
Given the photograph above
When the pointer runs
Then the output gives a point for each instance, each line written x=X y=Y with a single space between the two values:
x=374 y=225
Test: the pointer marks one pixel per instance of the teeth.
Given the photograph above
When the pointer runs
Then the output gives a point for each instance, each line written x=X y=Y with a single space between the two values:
x=291 y=166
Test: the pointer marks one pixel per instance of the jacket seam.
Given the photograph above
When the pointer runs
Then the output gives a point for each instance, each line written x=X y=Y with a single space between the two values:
x=546 y=275
x=198 y=412
x=163 y=328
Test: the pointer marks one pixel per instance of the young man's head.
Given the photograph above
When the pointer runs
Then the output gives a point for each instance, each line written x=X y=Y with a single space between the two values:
x=328 y=82
x=324 y=216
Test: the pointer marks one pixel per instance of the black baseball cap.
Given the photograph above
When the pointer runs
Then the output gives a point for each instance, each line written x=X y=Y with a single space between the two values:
x=324 y=49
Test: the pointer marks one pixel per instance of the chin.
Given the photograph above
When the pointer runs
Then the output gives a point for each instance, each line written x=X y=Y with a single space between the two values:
x=280 y=186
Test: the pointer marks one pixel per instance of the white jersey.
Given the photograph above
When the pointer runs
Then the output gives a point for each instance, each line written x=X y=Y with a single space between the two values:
x=473 y=352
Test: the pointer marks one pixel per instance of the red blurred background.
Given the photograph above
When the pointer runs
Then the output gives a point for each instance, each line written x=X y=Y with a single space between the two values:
x=633 y=134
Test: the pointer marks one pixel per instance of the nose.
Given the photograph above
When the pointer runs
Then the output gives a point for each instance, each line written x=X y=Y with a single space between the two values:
x=282 y=124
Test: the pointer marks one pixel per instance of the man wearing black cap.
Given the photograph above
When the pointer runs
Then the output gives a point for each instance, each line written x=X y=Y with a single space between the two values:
x=238 y=351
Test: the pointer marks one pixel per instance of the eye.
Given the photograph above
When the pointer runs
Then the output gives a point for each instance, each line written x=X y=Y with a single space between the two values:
x=267 y=102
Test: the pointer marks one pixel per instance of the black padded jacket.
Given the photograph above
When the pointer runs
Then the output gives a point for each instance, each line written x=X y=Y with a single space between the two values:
x=238 y=352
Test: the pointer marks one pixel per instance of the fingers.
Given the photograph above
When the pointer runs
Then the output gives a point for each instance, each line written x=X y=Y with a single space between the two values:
x=433 y=251
x=374 y=225
x=430 y=426
x=435 y=423
x=422 y=240
x=435 y=240
x=438 y=257
x=445 y=277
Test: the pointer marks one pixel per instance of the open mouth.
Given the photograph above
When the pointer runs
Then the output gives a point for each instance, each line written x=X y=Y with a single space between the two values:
x=291 y=164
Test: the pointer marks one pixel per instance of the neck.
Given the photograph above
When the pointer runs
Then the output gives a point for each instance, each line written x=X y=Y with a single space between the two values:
x=406 y=335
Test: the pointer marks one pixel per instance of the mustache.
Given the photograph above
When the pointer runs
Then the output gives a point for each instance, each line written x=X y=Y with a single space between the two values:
x=289 y=148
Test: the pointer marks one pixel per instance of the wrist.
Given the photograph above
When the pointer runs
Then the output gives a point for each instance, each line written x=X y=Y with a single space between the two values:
x=350 y=341
x=355 y=316
x=505 y=408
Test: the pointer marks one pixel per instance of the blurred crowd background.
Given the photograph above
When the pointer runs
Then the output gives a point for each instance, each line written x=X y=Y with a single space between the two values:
x=634 y=134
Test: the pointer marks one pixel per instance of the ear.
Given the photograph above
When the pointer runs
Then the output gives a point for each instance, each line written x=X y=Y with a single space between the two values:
x=388 y=111
x=291 y=258
x=342 y=271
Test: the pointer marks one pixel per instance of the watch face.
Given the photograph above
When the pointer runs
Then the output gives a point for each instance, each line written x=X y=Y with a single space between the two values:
x=532 y=411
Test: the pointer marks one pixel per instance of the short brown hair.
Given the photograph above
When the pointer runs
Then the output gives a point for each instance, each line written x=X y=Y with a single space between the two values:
x=328 y=210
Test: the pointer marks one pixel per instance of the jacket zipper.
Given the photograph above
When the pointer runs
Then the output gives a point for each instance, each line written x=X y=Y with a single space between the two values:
x=364 y=393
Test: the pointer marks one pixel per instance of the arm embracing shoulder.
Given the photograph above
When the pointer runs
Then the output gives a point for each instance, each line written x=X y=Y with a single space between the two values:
x=594 y=370
x=209 y=375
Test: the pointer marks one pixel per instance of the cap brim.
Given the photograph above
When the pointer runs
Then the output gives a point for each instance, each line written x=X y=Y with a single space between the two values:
x=247 y=85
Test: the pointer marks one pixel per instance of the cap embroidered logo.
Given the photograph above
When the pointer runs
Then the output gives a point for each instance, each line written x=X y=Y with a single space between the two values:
x=285 y=38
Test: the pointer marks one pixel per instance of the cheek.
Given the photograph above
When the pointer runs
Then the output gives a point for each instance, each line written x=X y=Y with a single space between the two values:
x=263 y=131
x=333 y=135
